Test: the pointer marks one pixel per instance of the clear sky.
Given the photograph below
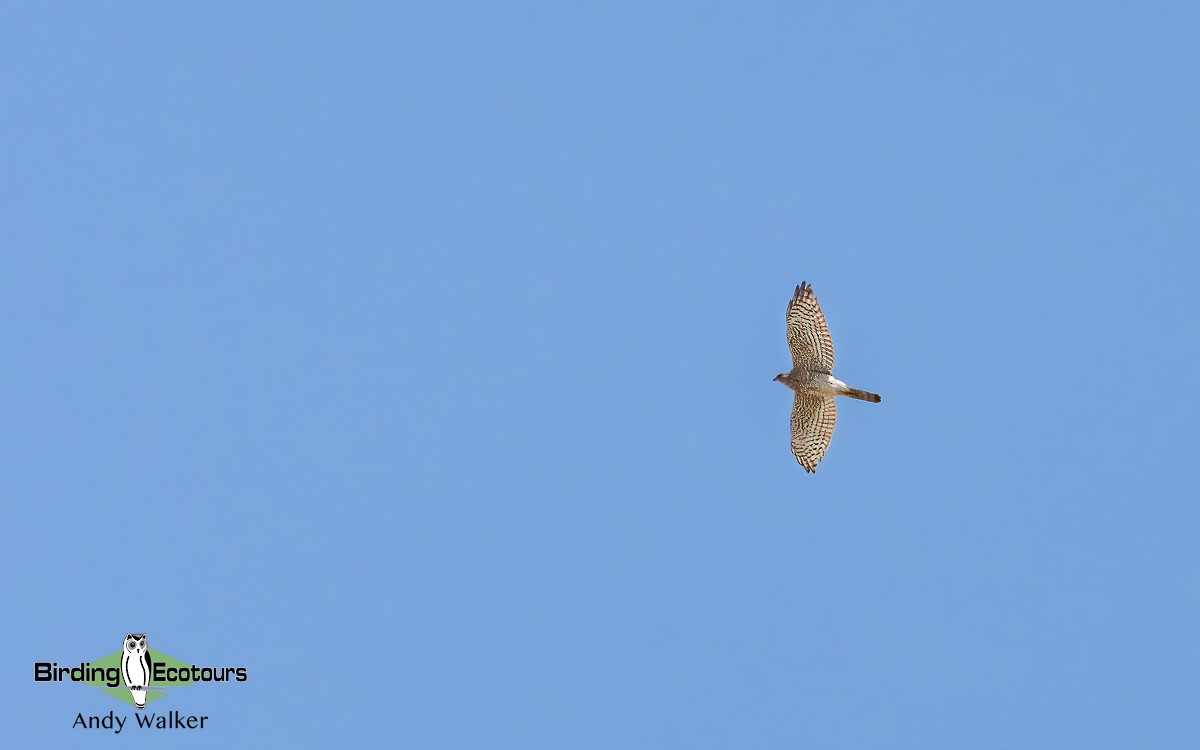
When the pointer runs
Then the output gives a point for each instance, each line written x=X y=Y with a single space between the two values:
x=418 y=359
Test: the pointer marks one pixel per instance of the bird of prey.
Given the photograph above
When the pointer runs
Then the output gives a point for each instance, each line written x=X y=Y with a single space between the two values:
x=814 y=413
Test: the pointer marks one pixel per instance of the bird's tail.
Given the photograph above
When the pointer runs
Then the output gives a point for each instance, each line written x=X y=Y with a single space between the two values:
x=862 y=395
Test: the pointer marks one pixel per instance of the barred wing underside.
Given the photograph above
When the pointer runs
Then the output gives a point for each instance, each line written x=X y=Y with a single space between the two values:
x=813 y=419
x=807 y=333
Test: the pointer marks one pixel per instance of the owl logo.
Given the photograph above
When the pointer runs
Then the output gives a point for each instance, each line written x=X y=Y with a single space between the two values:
x=136 y=667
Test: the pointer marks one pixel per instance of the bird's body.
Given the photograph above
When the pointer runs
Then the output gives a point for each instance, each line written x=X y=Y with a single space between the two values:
x=823 y=384
x=814 y=413
x=812 y=381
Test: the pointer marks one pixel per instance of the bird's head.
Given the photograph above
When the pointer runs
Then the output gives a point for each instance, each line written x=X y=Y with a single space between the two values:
x=779 y=377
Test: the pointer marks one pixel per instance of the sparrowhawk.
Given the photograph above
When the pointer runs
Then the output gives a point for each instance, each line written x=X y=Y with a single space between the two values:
x=814 y=413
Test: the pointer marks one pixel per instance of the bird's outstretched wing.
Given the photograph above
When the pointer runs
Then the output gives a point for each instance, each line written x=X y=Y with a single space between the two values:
x=813 y=419
x=807 y=333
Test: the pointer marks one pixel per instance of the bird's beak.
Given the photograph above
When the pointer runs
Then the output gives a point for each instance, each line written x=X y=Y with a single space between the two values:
x=775 y=378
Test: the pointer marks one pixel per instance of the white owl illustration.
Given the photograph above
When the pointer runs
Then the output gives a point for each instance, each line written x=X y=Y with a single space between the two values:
x=136 y=667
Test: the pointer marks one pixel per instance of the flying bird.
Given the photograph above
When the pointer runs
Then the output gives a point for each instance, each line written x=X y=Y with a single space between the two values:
x=814 y=413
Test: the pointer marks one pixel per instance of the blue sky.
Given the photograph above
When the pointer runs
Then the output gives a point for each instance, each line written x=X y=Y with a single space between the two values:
x=418 y=358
